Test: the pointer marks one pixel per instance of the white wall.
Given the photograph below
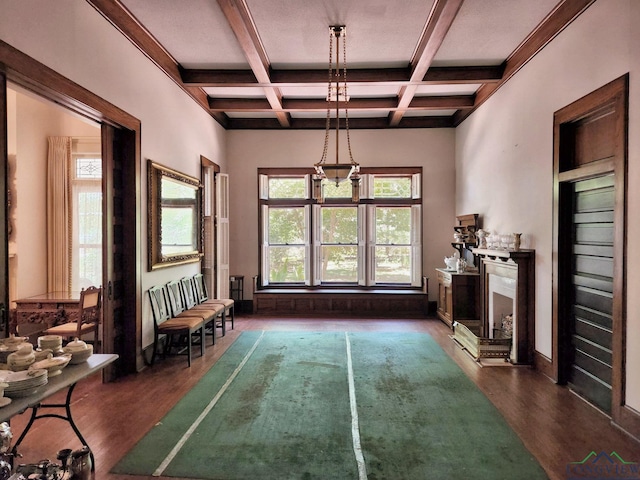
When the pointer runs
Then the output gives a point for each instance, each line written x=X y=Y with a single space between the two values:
x=432 y=149
x=504 y=151
x=72 y=38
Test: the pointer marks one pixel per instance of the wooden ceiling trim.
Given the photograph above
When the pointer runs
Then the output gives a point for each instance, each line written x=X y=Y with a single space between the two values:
x=462 y=75
x=449 y=102
x=564 y=13
x=239 y=18
x=375 y=123
x=126 y=23
x=356 y=75
x=32 y=75
x=218 y=78
x=371 y=76
x=446 y=102
x=239 y=105
x=440 y=19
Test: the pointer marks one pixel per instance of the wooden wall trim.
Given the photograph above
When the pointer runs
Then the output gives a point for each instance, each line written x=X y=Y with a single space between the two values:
x=47 y=83
x=543 y=364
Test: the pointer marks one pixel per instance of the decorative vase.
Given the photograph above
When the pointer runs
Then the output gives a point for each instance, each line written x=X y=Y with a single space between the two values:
x=516 y=241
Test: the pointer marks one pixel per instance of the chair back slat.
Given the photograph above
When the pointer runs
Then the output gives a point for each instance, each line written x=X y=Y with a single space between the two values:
x=187 y=291
x=200 y=288
x=174 y=296
x=90 y=308
x=158 y=304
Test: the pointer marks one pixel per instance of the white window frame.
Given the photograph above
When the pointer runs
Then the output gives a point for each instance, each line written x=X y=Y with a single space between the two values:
x=366 y=231
x=78 y=186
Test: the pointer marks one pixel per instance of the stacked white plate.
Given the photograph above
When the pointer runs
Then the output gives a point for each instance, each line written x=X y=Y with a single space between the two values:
x=23 y=383
x=52 y=342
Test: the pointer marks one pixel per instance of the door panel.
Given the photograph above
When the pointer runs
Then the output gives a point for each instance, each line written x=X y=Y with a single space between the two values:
x=121 y=332
x=4 y=239
x=590 y=371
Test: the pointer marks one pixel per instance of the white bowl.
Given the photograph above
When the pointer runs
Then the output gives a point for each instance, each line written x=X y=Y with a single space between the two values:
x=53 y=365
x=76 y=346
x=79 y=356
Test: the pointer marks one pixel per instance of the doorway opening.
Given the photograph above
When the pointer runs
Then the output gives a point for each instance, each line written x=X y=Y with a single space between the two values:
x=54 y=183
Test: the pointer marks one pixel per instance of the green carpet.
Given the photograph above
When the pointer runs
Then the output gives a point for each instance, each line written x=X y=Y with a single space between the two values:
x=277 y=406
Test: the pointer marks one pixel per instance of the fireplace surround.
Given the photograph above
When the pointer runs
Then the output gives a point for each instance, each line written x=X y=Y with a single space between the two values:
x=507 y=282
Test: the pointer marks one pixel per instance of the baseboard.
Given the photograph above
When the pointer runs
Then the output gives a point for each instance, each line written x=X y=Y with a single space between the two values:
x=544 y=365
x=628 y=421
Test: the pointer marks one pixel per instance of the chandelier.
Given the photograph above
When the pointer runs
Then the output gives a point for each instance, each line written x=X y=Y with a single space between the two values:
x=336 y=93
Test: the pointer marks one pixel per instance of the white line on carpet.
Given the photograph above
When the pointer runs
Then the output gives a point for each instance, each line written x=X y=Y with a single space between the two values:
x=355 y=427
x=169 y=458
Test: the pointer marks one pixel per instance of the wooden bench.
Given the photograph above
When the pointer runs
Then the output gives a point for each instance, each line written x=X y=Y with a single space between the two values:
x=411 y=302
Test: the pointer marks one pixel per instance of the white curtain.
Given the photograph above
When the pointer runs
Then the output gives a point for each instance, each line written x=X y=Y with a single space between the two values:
x=59 y=232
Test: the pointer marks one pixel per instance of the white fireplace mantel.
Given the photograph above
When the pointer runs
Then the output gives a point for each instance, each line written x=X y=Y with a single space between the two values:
x=515 y=268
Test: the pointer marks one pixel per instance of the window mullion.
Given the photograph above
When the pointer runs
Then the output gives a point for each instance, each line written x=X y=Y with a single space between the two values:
x=317 y=244
x=416 y=246
x=308 y=250
x=369 y=243
x=264 y=268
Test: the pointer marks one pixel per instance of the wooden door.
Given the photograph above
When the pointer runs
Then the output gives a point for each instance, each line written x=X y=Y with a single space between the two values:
x=590 y=299
x=590 y=148
x=4 y=237
x=121 y=332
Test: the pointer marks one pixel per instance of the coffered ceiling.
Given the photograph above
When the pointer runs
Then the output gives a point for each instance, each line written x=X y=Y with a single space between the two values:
x=262 y=64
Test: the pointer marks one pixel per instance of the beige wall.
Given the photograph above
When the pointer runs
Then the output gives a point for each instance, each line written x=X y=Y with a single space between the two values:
x=432 y=149
x=504 y=151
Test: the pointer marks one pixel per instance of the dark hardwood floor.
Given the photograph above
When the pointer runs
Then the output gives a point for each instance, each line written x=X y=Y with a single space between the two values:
x=554 y=424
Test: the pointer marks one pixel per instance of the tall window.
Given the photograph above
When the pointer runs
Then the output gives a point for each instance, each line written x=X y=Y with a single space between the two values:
x=375 y=242
x=86 y=199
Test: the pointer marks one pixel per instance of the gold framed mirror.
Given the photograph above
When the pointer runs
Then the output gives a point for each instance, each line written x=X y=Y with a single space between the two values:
x=174 y=217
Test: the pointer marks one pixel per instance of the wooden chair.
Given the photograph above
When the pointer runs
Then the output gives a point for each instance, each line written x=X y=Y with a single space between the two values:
x=184 y=329
x=202 y=297
x=218 y=318
x=89 y=315
x=175 y=297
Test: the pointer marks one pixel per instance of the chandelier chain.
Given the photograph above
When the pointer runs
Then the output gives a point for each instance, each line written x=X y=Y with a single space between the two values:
x=337 y=98
x=346 y=96
x=328 y=119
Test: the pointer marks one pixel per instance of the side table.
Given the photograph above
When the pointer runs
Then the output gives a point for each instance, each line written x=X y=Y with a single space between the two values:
x=236 y=289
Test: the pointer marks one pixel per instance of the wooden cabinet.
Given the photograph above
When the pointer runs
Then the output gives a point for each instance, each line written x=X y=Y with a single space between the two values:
x=459 y=298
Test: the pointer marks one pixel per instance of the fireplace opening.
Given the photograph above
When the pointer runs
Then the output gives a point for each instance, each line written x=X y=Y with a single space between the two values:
x=501 y=309
x=501 y=321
